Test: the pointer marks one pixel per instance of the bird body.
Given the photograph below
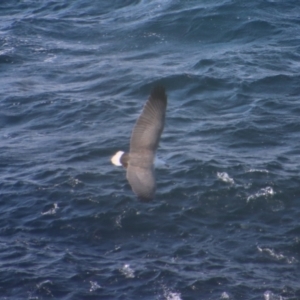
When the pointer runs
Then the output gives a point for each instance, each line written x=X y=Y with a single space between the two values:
x=143 y=144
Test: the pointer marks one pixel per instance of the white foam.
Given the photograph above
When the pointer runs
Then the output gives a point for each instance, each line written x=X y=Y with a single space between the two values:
x=225 y=177
x=173 y=296
x=116 y=159
x=94 y=286
x=225 y=296
x=74 y=181
x=268 y=295
x=267 y=191
x=258 y=171
x=127 y=271
x=275 y=255
x=51 y=211
x=169 y=295
x=45 y=282
x=45 y=286
x=119 y=221
x=7 y=51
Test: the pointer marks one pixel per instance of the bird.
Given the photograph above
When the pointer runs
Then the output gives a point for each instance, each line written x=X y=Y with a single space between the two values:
x=145 y=136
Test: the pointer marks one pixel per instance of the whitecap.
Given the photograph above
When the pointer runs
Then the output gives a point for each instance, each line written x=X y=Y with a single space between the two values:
x=45 y=282
x=268 y=295
x=173 y=296
x=44 y=286
x=118 y=221
x=258 y=171
x=74 y=182
x=225 y=296
x=170 y=295
x=7 y=51
x=127 y=271
x=276 y=256
x=267 y=191
x=94 y=286
x=225 y=177
x=52 y=210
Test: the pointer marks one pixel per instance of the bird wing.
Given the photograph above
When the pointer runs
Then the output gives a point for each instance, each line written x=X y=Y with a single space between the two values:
x=150 y=124
x=142 y=182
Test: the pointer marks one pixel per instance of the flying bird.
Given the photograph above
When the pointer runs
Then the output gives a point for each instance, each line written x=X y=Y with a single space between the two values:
x=139 y=162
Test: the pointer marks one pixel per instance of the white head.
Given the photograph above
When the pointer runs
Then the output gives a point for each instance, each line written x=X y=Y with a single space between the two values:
x=116 y=159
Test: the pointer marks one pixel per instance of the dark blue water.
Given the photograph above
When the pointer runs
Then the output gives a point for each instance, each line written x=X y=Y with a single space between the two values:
x=74 y=76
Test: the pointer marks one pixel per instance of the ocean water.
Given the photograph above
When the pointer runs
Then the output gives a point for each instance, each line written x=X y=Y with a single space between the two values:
x=74 y=76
